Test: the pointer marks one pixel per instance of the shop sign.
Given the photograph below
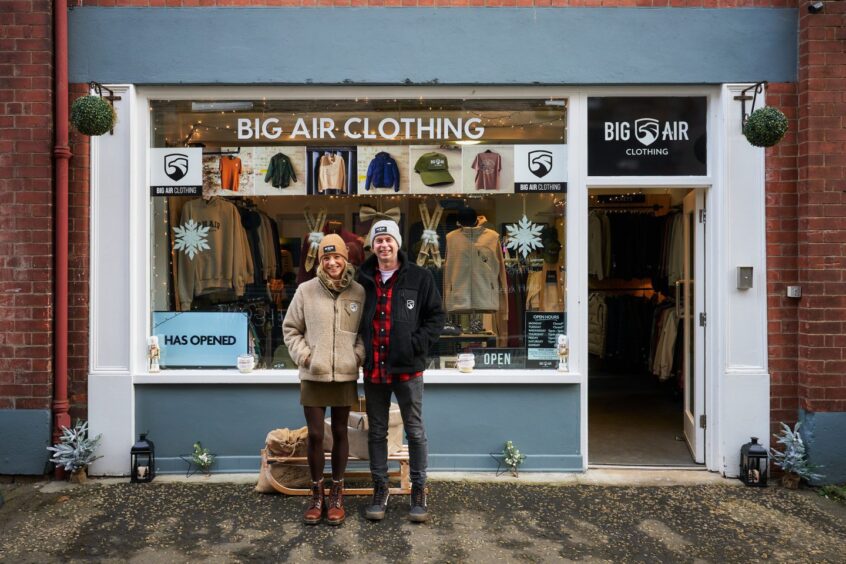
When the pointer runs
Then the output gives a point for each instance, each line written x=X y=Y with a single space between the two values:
x=355 y=128
x=499 y=358
x=542 y=330
x=195 y=339
x=540 y=168
x=647 y=136
x=176 y=171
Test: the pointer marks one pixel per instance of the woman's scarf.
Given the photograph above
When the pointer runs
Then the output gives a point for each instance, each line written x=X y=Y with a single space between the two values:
x=336 y=286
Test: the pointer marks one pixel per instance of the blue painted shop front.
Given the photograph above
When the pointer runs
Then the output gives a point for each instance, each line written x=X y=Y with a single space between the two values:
x=464 y=423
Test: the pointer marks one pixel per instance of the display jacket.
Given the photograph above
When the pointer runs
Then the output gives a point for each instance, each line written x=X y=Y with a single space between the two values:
x=280 y=171
x=324 y=326
x=383 y=172
x=474 y=274
x=222 y=262
x=417 y=317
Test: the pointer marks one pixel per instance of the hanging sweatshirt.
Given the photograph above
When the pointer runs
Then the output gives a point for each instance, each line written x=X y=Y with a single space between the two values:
x=280 y=171
x=212 y=251
x=383 y=172
x=332 y=173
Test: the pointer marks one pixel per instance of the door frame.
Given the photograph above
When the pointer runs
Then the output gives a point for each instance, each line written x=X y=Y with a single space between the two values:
x=702 y=192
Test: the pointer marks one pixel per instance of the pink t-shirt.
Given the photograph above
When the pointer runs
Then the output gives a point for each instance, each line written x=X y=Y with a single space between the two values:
x=487 y=166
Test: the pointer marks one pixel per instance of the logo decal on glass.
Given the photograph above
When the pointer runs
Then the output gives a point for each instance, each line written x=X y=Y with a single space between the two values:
x=540 y=162
x=646 y=130
x=176 y=166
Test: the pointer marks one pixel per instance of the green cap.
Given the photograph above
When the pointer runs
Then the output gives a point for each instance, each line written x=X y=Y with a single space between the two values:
x=433 y=169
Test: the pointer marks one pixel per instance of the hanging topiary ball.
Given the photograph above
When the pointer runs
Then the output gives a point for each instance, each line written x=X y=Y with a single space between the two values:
x=92 y=115
x=765 y=127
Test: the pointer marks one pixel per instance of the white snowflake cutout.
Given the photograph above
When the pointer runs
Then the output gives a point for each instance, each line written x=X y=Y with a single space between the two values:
x=191 y=238
x=524 y=236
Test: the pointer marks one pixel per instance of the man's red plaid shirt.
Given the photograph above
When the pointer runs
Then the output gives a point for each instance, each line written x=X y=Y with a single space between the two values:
x=382 y=335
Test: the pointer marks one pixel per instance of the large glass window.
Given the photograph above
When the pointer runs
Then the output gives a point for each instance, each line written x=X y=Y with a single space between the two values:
x=241 y=189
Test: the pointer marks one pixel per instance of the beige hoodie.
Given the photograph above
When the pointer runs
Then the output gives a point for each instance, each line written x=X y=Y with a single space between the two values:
x=324 y=329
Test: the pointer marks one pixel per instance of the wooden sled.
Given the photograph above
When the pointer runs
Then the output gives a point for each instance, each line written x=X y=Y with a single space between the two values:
x=402 y=473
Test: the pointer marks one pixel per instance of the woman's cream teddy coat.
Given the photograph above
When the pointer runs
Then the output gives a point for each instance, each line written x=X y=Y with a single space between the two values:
x=323 y=329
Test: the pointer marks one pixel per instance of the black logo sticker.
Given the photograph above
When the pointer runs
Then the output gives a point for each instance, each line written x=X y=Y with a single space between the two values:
x=176 y=166
x=540 y=162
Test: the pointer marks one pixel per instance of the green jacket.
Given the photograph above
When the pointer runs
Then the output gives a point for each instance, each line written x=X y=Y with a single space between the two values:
x=280 y=171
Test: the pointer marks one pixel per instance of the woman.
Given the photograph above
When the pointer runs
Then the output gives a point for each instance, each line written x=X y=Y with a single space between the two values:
x=321 y=332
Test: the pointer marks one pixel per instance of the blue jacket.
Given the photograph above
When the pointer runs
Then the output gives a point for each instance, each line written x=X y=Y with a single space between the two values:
x=383 y=172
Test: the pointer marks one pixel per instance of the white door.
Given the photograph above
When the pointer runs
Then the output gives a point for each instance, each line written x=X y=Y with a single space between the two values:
x=692 y=311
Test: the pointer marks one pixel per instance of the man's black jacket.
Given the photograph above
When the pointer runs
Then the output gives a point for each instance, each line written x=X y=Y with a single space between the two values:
x=417 y=316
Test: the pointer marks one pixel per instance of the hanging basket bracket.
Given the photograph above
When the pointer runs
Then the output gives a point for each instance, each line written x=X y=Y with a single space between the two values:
x=744 y=96
x=110 y=97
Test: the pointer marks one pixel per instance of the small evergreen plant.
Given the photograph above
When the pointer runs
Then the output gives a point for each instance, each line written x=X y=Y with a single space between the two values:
x=75 y=450
x=512 y=457
x=794 y=458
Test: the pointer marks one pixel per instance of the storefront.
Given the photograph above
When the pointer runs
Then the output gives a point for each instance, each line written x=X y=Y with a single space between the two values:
x=206 y=199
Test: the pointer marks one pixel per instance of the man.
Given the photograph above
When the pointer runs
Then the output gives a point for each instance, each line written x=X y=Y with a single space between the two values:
x=402 y=321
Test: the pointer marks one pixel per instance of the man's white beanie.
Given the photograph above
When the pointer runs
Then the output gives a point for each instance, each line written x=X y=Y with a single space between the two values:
x=386 y=227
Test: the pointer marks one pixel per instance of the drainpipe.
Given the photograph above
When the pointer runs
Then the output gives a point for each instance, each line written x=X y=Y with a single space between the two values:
x=61 y=156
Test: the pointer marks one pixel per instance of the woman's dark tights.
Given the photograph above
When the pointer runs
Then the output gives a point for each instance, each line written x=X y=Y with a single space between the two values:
x=340 y=443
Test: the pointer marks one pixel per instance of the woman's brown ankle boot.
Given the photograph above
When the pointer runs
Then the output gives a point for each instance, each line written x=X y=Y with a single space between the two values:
x=314 y=511
x=335 y=513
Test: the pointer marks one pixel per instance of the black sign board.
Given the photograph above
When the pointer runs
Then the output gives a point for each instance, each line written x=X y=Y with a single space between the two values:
x=540 y=187
x=499 y=358
x=176 y=190
x=542 y=330
x=647 y=136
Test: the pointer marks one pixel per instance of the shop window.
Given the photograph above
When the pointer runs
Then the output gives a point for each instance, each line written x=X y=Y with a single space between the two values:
x=240 y=188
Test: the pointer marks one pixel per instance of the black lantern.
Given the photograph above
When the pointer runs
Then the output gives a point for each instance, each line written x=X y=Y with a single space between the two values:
x=142 y=460
x=754 y=462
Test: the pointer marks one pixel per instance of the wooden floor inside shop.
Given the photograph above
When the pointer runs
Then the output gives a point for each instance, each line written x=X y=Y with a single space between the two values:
x=635 y=420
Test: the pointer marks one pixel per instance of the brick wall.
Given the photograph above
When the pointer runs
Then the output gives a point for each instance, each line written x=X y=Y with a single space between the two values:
x=26 y=204
x=782 y=246
x=822 y=209
x=78 y=265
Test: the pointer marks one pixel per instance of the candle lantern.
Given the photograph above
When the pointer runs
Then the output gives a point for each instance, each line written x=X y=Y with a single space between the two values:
x=754 y=463
x=142 y=460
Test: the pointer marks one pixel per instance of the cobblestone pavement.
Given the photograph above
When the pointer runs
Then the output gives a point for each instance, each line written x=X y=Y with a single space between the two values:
x=471 y=522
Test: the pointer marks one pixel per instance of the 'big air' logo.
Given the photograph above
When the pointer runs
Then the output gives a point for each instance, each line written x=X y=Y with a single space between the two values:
x=540 y=162
x=646 y=130
x=176 y=166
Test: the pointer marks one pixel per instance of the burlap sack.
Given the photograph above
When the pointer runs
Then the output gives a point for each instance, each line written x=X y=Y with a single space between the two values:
x=285 y=442
x=357 y=428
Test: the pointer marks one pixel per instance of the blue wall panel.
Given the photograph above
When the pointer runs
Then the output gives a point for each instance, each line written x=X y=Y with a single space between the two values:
x=464 y=423
x=24 y=438
x=432 y=46
x=825 y=437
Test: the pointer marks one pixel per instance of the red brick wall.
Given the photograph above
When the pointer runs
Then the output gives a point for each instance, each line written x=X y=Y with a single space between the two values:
x=782 y=246
x=26 y=204
x=78 y=266
x=822 y=208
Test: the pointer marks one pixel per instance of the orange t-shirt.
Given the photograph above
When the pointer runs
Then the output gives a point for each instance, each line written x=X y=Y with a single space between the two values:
x=230 y=173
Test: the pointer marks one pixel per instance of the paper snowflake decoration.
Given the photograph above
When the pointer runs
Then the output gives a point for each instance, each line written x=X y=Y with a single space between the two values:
x=191 y=238
x=524 y=236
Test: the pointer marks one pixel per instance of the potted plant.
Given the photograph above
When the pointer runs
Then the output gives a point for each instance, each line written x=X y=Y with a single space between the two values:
x=75 y=451
x=92 y=115
x=765 y=127
x=512 y=457
x=793 y=460
x=202 y=458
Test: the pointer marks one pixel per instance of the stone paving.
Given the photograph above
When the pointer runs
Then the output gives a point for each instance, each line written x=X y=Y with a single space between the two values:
x=472 y=521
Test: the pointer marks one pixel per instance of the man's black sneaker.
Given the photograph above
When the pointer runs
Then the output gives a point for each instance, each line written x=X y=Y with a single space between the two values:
x=418 y=513
x=376 y=510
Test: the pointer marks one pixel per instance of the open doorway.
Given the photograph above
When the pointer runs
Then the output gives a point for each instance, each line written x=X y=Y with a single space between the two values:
x=645 y=327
